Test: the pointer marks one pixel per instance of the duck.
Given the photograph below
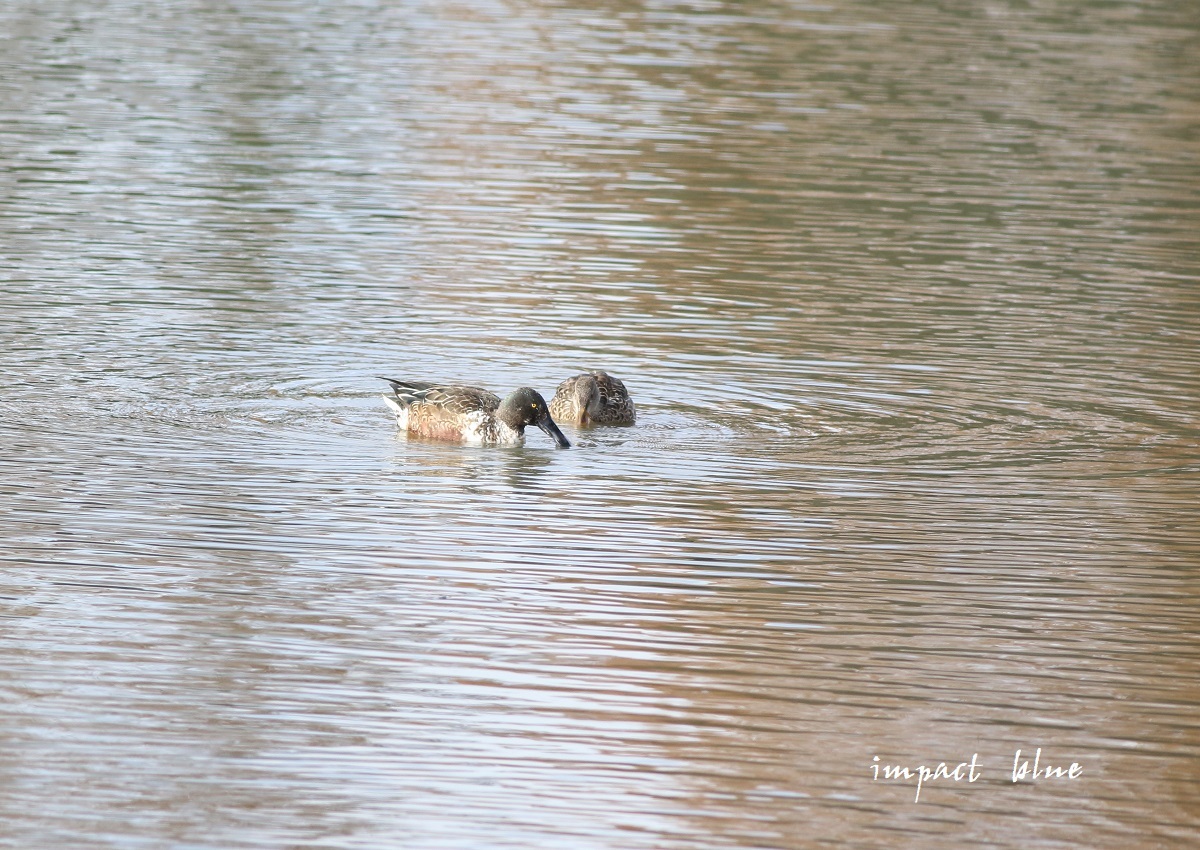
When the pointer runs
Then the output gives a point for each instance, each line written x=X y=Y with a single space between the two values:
x=460 y=414
x=593 y=398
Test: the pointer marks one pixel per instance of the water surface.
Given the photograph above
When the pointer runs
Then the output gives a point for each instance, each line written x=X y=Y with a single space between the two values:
x=906 y=295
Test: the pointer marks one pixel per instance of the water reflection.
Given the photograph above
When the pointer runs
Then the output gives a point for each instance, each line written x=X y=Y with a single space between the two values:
x=903 y=294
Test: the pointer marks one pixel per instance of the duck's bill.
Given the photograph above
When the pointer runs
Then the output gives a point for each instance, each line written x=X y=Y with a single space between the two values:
x=547 y=425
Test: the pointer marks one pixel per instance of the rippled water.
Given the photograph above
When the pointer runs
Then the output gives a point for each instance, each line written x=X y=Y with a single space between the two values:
x=906 y=293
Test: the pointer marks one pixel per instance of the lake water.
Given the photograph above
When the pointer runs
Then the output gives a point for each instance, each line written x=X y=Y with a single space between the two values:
x=908 y=296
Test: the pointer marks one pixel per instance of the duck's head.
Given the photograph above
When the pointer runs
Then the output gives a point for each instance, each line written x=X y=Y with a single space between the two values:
x=527 y=407
x=588 y=398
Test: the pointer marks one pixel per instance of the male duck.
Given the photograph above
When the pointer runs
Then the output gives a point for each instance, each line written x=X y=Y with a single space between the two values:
x=593 y=398
x=470 y=414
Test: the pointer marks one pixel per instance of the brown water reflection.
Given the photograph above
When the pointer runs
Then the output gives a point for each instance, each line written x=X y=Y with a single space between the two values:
x=905 y=295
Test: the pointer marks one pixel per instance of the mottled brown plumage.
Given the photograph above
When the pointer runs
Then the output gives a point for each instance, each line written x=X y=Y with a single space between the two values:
x=593 y=398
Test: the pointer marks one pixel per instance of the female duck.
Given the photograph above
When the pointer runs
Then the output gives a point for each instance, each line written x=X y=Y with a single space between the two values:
x=593 y=398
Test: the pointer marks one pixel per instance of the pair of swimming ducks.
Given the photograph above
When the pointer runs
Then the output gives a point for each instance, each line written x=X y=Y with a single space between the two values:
x=473 y=415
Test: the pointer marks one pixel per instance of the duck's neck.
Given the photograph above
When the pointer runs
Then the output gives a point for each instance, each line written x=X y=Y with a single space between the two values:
x=509 y=413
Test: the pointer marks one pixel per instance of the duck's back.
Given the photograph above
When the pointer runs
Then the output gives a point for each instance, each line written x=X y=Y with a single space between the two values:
x=443 y=411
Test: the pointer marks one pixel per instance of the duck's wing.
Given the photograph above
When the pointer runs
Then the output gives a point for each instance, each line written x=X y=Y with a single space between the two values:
x=408 y=392
x=612 y=390
x=453 y=398
x=616 y=407
x=457 y=400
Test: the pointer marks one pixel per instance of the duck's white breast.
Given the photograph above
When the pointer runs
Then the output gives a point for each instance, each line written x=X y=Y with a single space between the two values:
x=487 y=430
